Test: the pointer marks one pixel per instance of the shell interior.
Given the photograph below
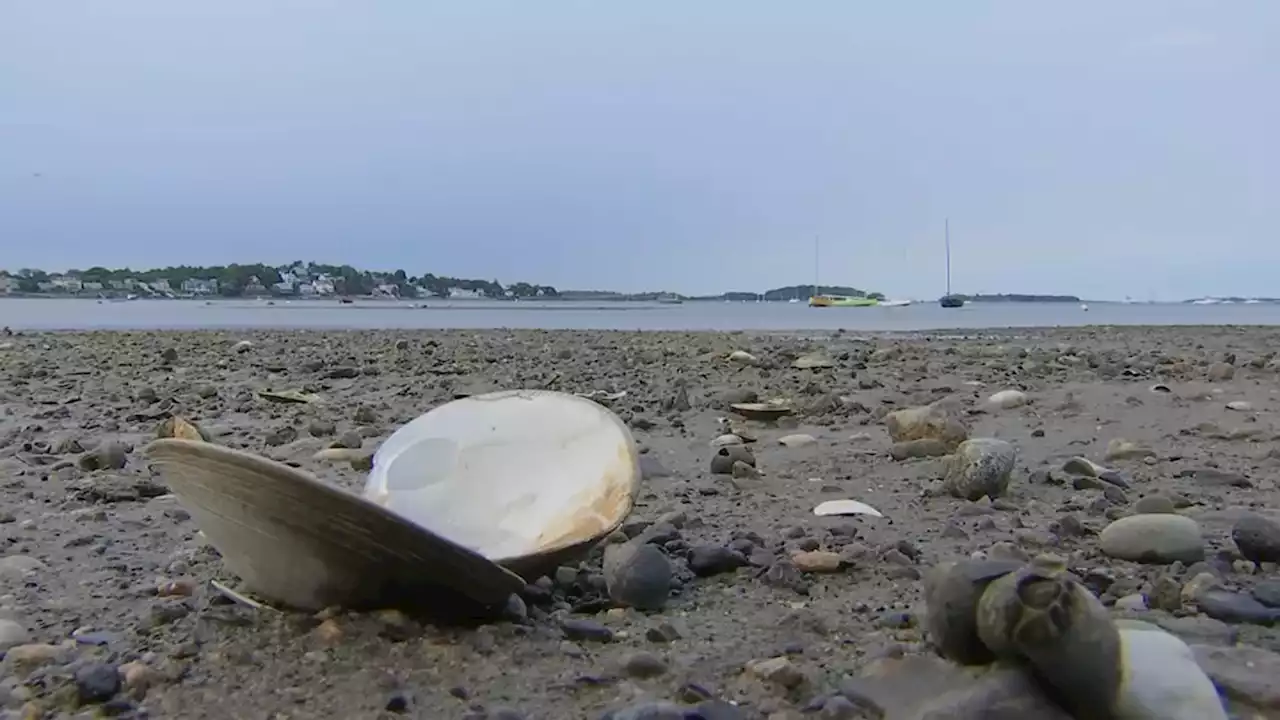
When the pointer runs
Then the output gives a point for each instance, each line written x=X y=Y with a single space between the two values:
x=510 y=474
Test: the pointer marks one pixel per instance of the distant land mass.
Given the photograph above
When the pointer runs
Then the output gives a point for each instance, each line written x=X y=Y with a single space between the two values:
x=1019 y=298
x=318 y=280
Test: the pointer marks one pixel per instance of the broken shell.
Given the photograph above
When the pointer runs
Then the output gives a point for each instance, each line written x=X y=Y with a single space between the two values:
x=178 y=427
x=465 y=495
x=761 y=411
x=287 y=396
x=527 y=478
x=846 y=507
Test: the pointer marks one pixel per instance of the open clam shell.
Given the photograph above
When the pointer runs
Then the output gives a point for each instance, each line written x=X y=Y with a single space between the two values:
x=527 y=478
x=459 y=501
x=299 y=542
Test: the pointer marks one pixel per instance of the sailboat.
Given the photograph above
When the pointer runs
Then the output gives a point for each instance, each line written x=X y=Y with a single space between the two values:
x=949 y=300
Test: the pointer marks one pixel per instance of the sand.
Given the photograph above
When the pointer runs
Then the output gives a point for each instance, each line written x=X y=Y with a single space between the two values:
x=104 y=572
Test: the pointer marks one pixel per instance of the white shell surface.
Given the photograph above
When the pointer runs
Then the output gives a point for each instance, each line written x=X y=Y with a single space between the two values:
x=1161 y=679
x=510 y=473
x=846 y=507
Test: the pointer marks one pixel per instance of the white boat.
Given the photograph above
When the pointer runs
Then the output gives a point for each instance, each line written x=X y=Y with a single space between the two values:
x=894 y=303
x=1206 y=301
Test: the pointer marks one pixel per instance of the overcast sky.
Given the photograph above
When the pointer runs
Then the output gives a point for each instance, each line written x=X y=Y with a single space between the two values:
x=1097 y=148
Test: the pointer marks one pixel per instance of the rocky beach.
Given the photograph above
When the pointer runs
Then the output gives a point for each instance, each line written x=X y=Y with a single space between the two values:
x=1145 y=460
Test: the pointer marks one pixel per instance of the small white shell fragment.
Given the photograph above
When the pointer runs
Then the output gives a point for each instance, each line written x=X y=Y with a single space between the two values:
x=1008 y=399
x=1240 y=406
x=846 y=507
x=743 y=357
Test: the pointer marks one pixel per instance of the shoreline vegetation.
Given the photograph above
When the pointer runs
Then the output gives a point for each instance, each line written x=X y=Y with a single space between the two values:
x=318 y=281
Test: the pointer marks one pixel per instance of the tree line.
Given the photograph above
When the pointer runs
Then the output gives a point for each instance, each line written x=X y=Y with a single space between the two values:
x=234 y=279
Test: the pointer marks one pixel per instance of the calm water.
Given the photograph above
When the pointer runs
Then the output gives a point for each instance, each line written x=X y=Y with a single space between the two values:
x=48 y=314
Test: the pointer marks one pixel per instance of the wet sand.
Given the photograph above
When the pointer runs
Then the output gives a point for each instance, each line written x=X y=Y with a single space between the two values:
x=104 y=575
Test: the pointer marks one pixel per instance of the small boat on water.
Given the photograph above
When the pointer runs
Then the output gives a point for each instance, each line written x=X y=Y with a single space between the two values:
x=670 y=300
x=842 y=301
x=949 y=300
x=894 y=303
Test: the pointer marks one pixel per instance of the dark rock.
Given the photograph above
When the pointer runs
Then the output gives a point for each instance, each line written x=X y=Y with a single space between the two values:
x=1230 y=607
x=1267 y=592
x=580 y=629
x=637 y=574
x=97 y=682
x=1257 y=538
x=708 y=560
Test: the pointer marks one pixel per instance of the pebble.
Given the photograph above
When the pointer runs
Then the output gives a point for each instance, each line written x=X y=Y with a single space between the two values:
x=1154 y=505
x=920 y=448
x=817 y=561
x=778 y=670
x=644 y=665
x=1159 y=538
x=798 y=440
x=637 y=575
x=661 y=710
x=1008 y=399
x=1267 y=592
x=1231 y=607
x=97 y=682
x=1257 y=538
x=980 y=467
x=1246 y=674
x=707 y=560
x=11 y=634
x=581 y=629
x=927 y=421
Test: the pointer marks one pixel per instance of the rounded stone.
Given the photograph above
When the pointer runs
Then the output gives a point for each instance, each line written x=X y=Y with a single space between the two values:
x=1159 y=539
x=980 y=467
x=637 y=575
x=1257 y=538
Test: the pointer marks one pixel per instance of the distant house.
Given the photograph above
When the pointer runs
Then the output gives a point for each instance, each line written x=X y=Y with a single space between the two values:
x=254 y=286
x=386 y=289
x=285 y=288
x=65 y=283
x=160 y=285
x=8 y=284
x=323 y=285
x=200 y=286
x=92 y=286
x=460 y=294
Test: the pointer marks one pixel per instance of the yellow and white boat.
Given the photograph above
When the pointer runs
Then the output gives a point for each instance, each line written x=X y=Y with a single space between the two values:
x=842 y=301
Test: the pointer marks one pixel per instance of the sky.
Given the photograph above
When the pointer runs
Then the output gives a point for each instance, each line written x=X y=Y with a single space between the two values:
x=1103 y=149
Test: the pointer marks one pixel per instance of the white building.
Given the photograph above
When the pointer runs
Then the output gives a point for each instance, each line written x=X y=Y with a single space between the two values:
x=460 y=294
x=66 y=283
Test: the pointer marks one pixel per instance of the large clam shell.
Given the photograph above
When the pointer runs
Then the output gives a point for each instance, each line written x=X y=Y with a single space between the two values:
x=527 y=478
x=519 y=480
x=299 y=542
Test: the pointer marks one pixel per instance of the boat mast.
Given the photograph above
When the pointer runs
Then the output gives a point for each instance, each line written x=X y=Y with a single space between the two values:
x=815 y=266
x=947 y=235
